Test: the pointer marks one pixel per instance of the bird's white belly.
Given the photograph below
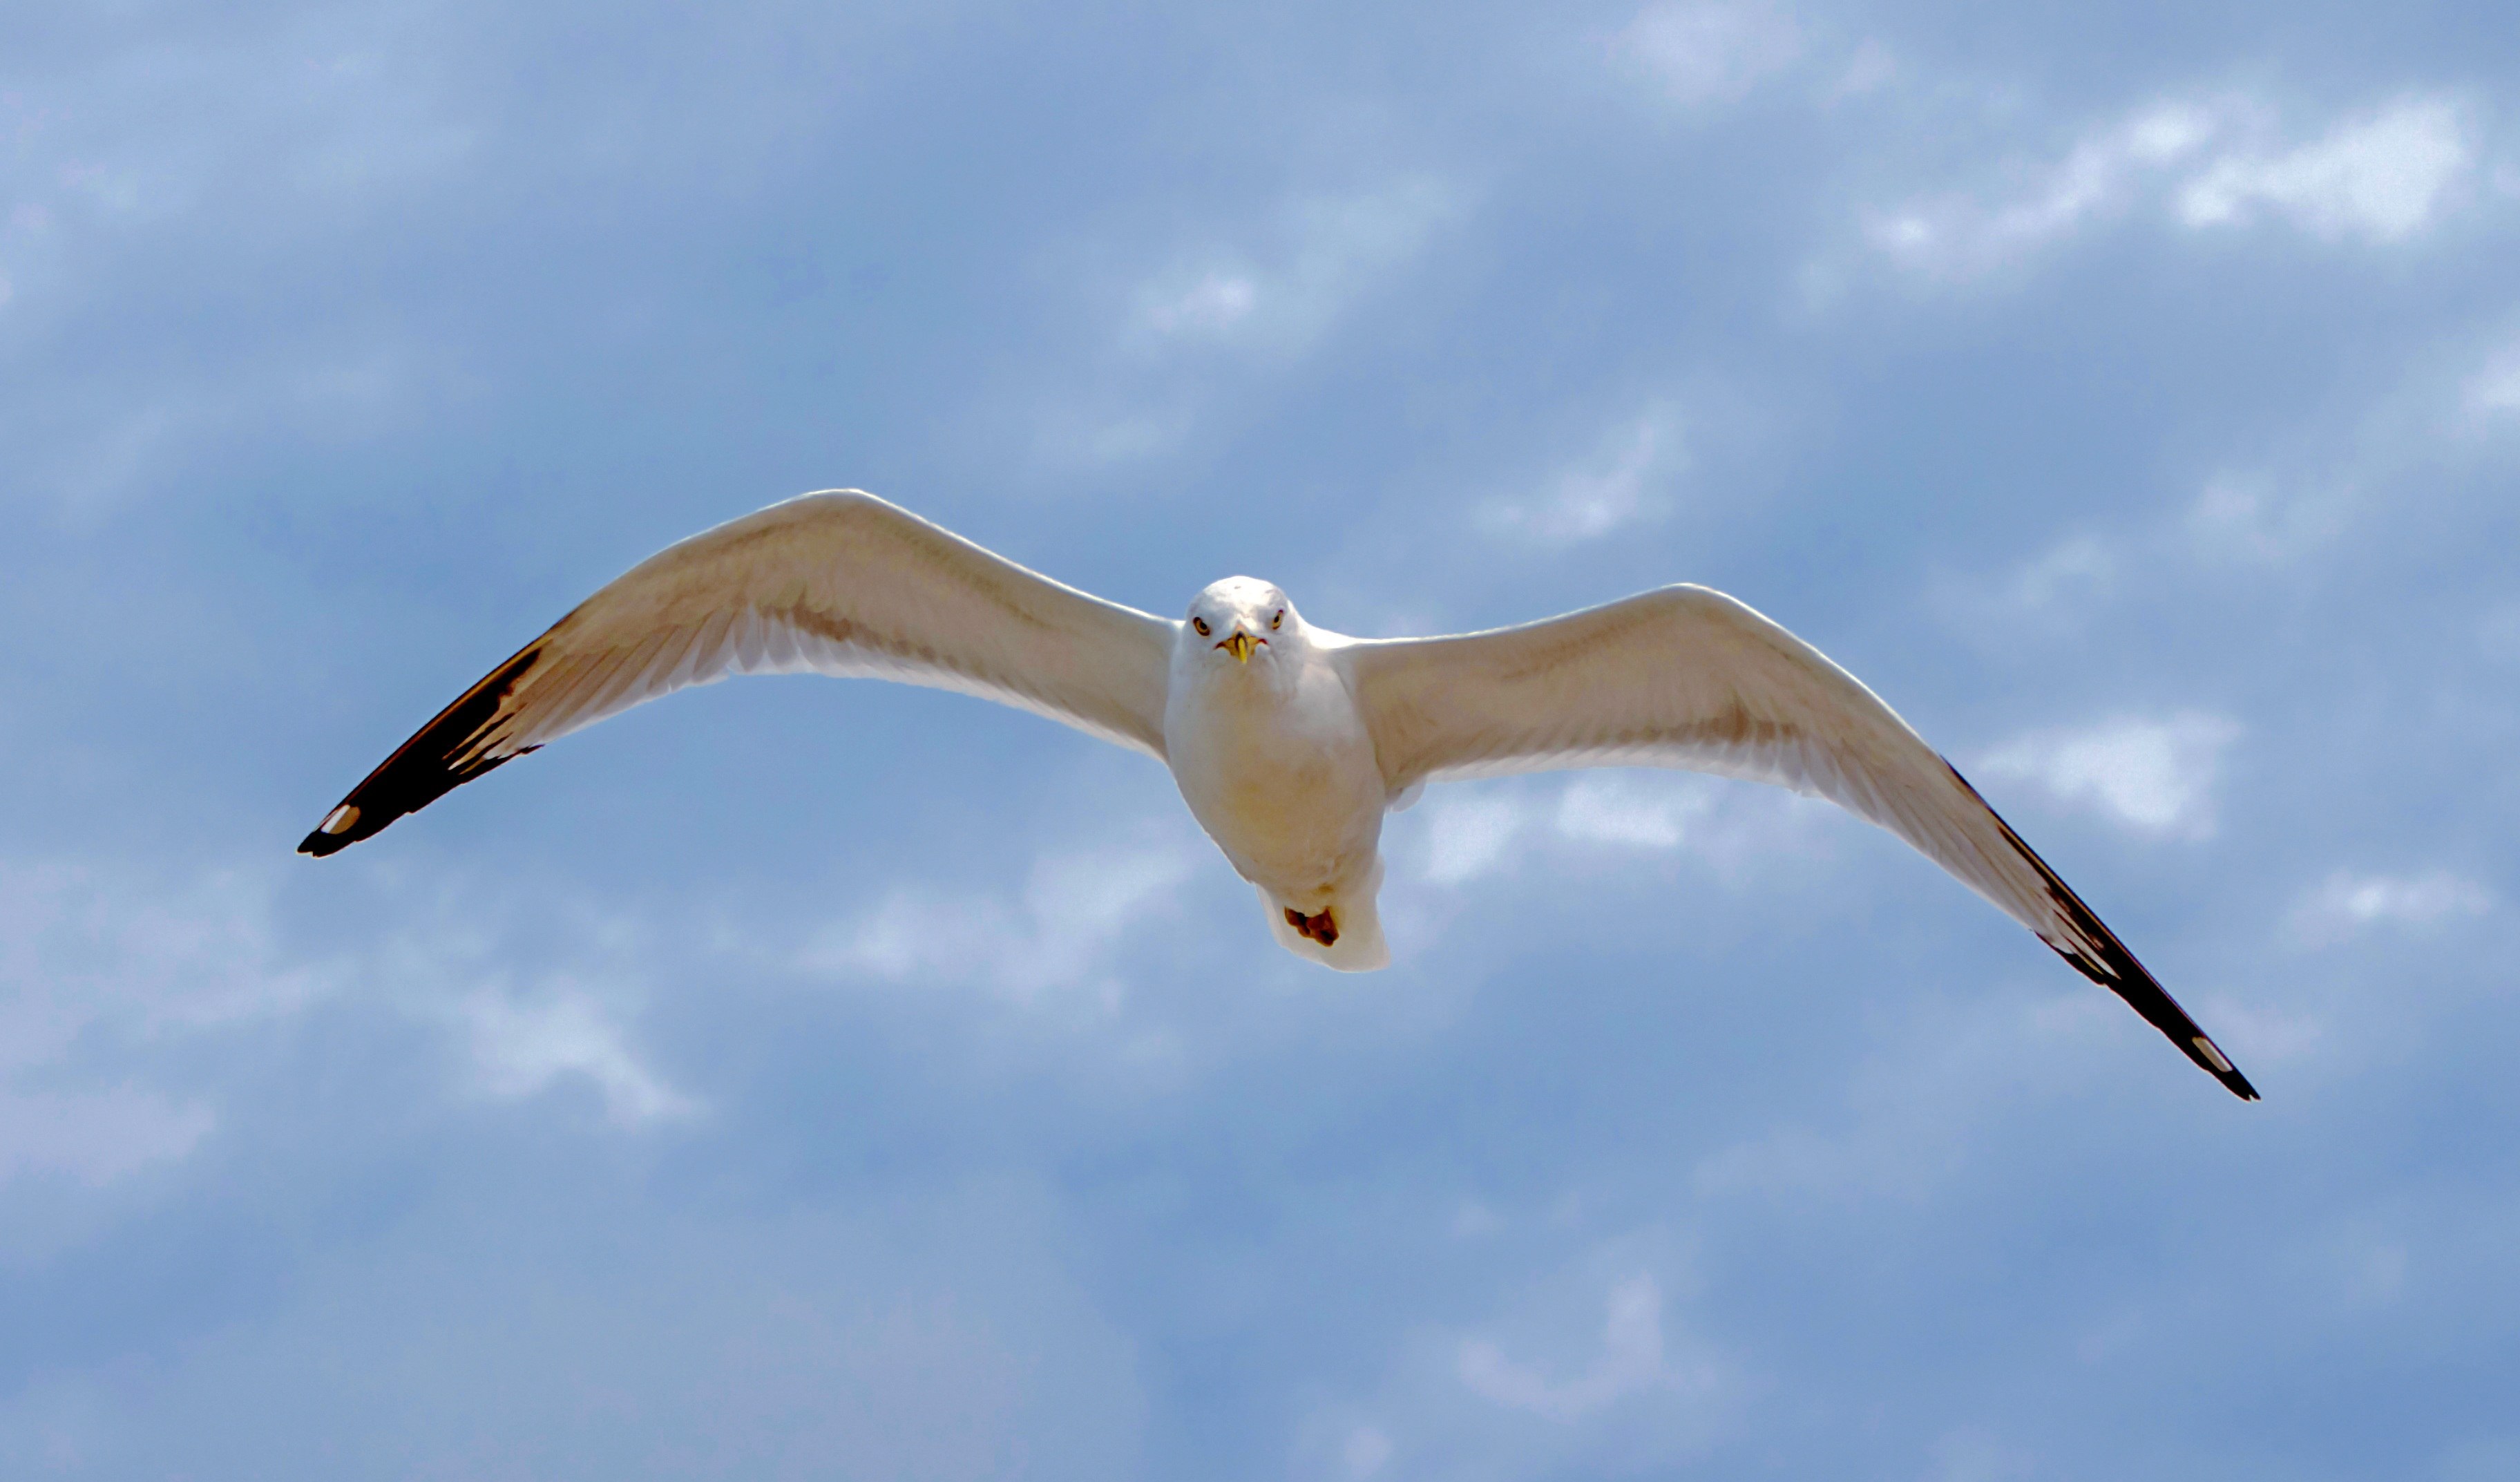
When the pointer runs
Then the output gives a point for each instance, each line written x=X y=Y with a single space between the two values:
x=1287 y=786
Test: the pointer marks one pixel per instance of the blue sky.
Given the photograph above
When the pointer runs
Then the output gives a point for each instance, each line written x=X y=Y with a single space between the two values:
x=802 y=1079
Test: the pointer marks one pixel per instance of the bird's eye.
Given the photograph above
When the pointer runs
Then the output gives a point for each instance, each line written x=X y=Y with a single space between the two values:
x=1275 y=621
x=1200 y=624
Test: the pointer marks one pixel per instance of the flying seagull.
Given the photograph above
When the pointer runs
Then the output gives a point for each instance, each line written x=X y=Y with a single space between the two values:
x=1288 y=741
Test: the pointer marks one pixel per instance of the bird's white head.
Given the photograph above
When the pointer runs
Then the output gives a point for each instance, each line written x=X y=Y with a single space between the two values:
x=1241 y=617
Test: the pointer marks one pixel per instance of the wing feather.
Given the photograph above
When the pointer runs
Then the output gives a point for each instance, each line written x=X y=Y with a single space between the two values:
x=1688 y=677
x=840 y=583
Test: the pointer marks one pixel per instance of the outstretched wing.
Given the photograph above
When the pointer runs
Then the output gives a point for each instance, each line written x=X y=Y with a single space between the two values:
x=840 y=583
x=1686 y=677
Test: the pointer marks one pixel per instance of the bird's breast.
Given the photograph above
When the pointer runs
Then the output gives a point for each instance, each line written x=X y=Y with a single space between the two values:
x=1284 y=781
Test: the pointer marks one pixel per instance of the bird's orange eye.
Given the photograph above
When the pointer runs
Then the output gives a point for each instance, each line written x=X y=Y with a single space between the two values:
x=1200 y=624
x=1275 y=621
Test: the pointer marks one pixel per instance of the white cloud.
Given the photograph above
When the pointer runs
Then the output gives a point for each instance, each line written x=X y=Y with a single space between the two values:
x=1366 y=1452
x=1266 y=299
x=2347 y=904
x=1467 y=836
x=1632 y=1361
x=1870 y=69
x=2282 y=1034
x=1939 y=1074
x=100 y=964
x=88 y=954
x=1608 y=808
x=1213 y=306
x=2368 y=1267
x=1959 y=236
x=2209 y=163
x=2245 y=516
x=1712 y=51
x=126 y=443
x=2430 y=428
x=1077 y=912
x=2076 y=570
x=2383 y=176
x=1320 y=255
x=1475 y=830
x=2052 y=590
x=521 y=1049
x=96 y=1136
x=1593 y=1371
x=1613 y=487
x=2495 y=389
x=1471 y=834
x=2152 y=776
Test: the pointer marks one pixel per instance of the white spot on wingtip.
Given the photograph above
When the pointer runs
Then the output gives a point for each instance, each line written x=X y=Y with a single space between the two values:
x=2205 y=1046
x=339 y=820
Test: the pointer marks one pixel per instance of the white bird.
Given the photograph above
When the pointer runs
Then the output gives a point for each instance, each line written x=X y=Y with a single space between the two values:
x=1288 y=741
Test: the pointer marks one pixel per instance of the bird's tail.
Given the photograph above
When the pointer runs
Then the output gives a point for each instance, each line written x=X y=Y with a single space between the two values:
x=1354 y=936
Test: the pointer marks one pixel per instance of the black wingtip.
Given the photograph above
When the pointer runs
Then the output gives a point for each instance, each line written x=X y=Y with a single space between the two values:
x=2100 y=956
x=2210 y=1056
x=425 y=768
x=351 y=820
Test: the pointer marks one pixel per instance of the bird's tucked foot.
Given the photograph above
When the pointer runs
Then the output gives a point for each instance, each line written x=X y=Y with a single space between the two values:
x=1319 y=928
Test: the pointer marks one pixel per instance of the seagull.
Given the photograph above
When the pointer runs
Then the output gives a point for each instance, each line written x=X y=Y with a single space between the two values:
x=1288 y=741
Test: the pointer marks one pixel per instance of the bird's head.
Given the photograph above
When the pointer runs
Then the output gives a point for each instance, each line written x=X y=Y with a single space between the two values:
x=1240 y=616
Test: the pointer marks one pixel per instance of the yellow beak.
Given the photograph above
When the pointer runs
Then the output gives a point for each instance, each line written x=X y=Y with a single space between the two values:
x=1241 y=645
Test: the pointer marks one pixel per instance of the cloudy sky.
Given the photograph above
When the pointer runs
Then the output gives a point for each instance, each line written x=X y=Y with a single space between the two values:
x=816 y=1080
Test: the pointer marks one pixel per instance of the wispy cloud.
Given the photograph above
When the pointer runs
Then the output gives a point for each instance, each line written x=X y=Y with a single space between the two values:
x=1477 y=830
x=2437 y=420
x=2052 y=590
x=1632 y=1361
x=1619 y=485
x=1261 y=296
x=2154 y=777
x=1711 y=51
x=1468 y=836
x=1213 y=306
x=1705 y=56
x=103 y=968
x=522 y=1047
x=1280 y=293
x=1593 y=1371
x=1960 y=234
x=1614 y=810
x=88 y=954
x=2383 y=175
x=1915 y=1115
x=96 y=1136
x=2254 y=517
x=1365 y=1452
x=2211 y=163
x=2346 y=904
x=1076 y=914
x=126 y=443
x=2493 y=390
